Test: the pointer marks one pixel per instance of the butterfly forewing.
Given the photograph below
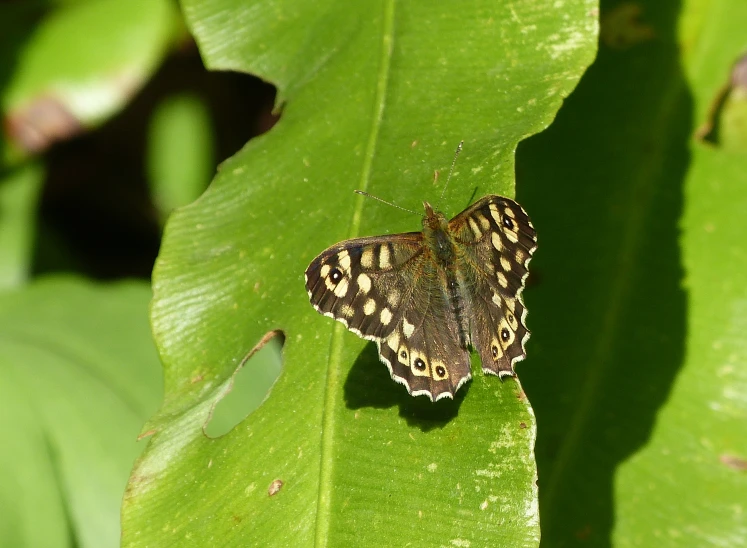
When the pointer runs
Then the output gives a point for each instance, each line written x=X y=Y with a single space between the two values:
x=363 y=282
x=424 y=301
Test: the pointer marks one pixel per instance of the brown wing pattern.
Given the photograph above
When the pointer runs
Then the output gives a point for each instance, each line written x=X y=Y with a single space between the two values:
x=497 y=241
x=362 y=282
x=423 y=352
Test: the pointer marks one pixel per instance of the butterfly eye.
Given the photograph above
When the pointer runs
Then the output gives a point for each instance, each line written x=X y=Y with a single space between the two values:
x=403 y=354
x=505 y=335
x=440 y=372
x=508 y=223
x=494 y=348
x=335 y=275
x=419 y=364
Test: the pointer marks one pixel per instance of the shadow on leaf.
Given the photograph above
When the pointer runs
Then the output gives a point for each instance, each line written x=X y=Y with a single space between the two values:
x=369 y=385
x=608 y=319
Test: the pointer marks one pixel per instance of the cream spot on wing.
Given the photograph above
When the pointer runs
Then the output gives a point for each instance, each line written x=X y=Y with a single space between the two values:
x=510 y=212
x=386 y=316
x=341 y=289
x=384 y=261
x=393 y=297
x=511 y=303
x=347 y=310
x=496 y=239
x=364 y=283
x=475 y=229
x=344 y=260
x=512 y=237
x=393 y=341
x=495 y=214
x=484 y=223
x=505 y=264
x=325 y=270
x=407 y=328
x=370 y=307
x=502 y=279
x=520 y=256
x=496 y=298
x=367 y=258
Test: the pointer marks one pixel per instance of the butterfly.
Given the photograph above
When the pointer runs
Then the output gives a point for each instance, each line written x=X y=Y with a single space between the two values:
x=425 y=298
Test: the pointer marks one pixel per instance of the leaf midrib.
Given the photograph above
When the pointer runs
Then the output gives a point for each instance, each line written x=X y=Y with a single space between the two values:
x=332 y=383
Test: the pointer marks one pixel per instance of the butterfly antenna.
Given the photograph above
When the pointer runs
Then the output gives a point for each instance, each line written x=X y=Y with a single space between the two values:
x=451 y=169
x=385 y=202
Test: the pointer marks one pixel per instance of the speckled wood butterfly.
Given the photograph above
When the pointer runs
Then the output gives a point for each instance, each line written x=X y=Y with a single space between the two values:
x=426 y=297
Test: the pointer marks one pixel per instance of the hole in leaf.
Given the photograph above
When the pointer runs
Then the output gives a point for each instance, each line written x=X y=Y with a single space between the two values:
x=250 y=387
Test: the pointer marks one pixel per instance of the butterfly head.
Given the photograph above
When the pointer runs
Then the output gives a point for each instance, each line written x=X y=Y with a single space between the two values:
x=433 y=220
x=436 y=234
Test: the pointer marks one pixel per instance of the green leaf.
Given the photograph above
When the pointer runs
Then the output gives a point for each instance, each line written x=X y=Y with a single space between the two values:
x=638 y=364
x=78 y=375
x=180 y=152
x=375 y=95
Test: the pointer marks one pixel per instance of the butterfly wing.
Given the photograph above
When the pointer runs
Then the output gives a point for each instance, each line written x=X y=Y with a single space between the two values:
x=361 y=282
x=386 y=289
x=496 y=241
x=424 y=352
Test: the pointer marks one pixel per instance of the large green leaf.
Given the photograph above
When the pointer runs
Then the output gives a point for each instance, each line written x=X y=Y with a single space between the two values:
x=376 y=95
x=78 y=376
x=638 y=313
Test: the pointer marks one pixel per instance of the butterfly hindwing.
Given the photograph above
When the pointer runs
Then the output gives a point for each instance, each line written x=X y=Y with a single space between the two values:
x=424 y=351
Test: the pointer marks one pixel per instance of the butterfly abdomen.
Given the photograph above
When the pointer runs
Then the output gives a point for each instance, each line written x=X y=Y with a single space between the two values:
x=456 y=305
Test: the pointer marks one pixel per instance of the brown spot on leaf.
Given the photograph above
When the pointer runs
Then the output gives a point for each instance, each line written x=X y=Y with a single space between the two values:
x=736 y=463
x=197 y=378
x=146 y=434
x=275 y=486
